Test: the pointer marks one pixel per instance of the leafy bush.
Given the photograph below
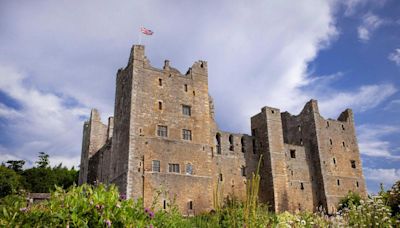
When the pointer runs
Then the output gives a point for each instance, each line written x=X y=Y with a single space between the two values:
x=352 y=198
x=10 y=181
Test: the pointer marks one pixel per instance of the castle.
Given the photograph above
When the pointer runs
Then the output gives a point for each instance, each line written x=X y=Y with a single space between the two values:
x=163 y=135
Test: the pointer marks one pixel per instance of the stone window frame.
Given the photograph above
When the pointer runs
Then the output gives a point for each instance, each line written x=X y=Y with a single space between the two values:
x=292 y=153
x=160 y=82
x=187 y=134
x=186 y=110
x=162 y=131
x=174 y=168
x=243 y=171
x=243 y=144
x=189 y=169
x=218 y=143
x=190 y=205
x=156 y=167
x=231 y=143
x=185 y=87
x=160 y=105
x=353 y=164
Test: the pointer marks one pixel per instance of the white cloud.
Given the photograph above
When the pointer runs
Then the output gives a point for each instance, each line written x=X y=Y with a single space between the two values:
x=371 y=140
x=395 y=56
x=364 y=98
x=385 y=176
x=370 y=23
x=352 y=6
x=42 y=123
x=256 y=55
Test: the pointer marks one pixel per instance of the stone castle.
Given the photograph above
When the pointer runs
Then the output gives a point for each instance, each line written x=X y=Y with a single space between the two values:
x=163 y=135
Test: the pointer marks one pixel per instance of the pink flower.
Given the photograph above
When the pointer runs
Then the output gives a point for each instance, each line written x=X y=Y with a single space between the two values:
x=23 y=209
x=151 y=214
x=108 y=223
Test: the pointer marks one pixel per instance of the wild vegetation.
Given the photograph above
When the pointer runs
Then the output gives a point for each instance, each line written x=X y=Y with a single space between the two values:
x=103 y=206
x=40 y=178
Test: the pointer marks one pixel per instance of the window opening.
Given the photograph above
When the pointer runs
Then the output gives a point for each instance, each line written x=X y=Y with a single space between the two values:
x=156 y=166
x=293 y=153
x=218 y=139
x=189 y=169
x=186 y=134
x=231 y=146
x=186 y=110
x=353 y=164
x=173 y=168
x=162 y=131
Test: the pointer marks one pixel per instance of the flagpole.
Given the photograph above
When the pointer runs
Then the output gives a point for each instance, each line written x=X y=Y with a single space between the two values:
x=140 y=36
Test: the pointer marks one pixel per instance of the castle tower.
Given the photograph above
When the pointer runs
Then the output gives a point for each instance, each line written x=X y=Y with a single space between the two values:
x=162 y=126
x=94 y=137
x=266 y=128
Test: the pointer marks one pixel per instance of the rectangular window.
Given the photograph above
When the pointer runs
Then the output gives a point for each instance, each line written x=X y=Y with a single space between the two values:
x=173 y=168
x=293 y=153
x=186 y=134
x=186 y=110
x=156 y=166
x=243 y=171
x=189 y=169
x=162 y=131
x=353 y=164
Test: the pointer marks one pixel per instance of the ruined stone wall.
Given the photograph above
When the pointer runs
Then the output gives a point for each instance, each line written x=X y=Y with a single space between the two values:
x=94 y=137
x=235 y=162
x=98 y=165
x=300 y=130
x=119 y=156
x=340 y=158
x=300 y=188
x=267 y=129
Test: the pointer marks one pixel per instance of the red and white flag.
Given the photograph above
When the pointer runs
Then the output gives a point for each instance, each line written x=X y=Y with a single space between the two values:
x=146 y=31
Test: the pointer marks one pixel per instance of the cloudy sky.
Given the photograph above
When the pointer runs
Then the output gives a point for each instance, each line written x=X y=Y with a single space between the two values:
x=58 y=59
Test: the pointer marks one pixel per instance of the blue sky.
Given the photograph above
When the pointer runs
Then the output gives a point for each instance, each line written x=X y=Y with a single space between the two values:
x=58 y=59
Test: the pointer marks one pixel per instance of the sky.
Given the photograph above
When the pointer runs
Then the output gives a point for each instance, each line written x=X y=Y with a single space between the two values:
x=58 y=59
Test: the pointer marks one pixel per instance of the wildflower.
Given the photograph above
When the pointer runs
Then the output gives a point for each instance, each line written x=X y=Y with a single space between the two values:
x=303 y=222
x=118 y=205
x=108 y=223
x=151 y=226
x=151 y=214
x=146 y=210
x=23 y=209
x=122 y=197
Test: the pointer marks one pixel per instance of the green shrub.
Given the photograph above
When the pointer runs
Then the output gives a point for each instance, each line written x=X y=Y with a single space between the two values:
x=10 y=181
x=352 y=198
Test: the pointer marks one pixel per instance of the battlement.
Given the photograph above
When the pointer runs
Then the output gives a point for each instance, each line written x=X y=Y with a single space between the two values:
x=138 y=56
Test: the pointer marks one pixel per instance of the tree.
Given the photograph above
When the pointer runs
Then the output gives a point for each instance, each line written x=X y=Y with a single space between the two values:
x=43 y=160
x=9 y=181
x=16 y=165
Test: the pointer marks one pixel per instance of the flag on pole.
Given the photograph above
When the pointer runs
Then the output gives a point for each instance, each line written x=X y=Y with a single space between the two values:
x=146 y=31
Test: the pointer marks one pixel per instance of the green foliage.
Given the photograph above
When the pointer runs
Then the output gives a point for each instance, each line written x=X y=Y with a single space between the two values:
x=16 y=165
x=43 y=160
x=10 y=181
x=352 y=198
x=371 y=212
x=393 y=199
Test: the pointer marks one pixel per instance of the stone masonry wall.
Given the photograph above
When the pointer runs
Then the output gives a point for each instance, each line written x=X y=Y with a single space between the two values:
x=307 y=161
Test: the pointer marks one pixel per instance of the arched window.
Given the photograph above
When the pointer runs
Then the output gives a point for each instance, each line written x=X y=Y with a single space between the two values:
x=243 y=144
x=189 y=169
x=231 y=146
x=218 y=142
